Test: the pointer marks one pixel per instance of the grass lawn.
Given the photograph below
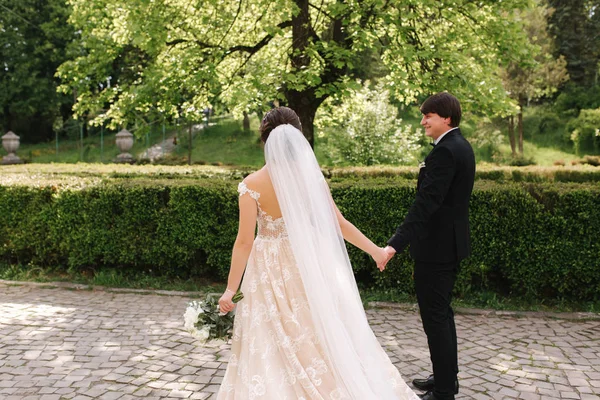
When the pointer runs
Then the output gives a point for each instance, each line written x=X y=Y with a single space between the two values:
x=94 y=150
x=226 y=143
x=542 y=156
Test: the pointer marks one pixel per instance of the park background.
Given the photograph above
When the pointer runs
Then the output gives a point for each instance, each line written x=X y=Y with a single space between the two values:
x=191 y=81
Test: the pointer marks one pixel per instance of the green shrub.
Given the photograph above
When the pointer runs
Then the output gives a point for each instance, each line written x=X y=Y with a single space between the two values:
x=170 y=227
x=528 y=238
x=550 y=123
x=574 y=98
x=25 y=224
x=493 y=173
x=84 y=175
x=364 y=129
x=543 y=125
x=592 y=160
x=521 y=161
x=584 y=130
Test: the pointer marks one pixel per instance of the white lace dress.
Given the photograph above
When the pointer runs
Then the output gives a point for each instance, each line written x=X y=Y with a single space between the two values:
x=276 y=354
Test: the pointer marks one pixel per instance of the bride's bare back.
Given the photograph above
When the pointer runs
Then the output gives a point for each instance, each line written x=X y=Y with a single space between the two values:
x=260 y=182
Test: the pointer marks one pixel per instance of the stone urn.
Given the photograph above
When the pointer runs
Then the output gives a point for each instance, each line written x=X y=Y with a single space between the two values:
x=11 y=143
x=124 y=143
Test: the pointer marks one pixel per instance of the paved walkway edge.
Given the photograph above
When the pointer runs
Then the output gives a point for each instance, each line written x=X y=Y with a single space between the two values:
x=577 y=316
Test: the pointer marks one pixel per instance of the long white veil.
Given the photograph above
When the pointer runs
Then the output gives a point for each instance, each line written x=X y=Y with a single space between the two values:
x=323 y=263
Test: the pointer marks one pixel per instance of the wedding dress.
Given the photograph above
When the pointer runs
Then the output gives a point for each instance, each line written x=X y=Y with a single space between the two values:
x=301 y=332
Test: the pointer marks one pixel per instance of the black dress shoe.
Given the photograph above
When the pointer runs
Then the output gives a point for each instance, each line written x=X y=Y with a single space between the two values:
x=424 y=384
x=428 y=396
x=428 y=384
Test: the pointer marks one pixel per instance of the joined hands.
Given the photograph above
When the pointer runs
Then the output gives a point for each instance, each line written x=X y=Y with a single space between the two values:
x=382 y=256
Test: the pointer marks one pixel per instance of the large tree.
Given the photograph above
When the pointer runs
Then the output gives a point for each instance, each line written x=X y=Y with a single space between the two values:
x=576 y=26
x=535 y=79
x=34 y=41
x=174 y=57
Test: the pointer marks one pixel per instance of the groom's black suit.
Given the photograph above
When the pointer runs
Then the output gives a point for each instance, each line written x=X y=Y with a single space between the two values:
x=437 y=229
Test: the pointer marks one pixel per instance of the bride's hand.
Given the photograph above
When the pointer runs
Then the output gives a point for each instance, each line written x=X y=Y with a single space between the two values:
x=225 y=302
x=381 y=258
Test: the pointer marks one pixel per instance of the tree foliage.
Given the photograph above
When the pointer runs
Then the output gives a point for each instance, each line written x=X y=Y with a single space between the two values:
x=364 y=129
x=34 y=40
x=585 y=131
x=538 y=77
x=576 y=26
x=174 y=57
x=544 y=73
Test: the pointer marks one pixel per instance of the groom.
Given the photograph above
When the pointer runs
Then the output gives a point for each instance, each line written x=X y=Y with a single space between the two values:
x=437 y=229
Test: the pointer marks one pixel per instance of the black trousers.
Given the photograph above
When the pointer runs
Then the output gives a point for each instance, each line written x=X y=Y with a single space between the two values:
x=434 y=284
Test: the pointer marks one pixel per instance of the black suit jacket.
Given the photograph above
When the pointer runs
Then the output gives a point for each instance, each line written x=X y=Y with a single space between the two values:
x=437 y=224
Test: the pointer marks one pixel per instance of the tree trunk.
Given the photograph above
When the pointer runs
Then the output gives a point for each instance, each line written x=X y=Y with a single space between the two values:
x=520 y=128
x=301 y=34
x=511 y=134
x=246 y=122
x=190 y=144
x=7 y=120
x=305 y=104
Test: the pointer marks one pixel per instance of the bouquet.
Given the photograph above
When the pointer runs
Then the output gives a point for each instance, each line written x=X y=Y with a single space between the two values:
x=204 y=320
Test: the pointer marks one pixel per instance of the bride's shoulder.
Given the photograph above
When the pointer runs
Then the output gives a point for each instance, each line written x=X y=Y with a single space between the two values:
x=257 y=179
x=251 y=184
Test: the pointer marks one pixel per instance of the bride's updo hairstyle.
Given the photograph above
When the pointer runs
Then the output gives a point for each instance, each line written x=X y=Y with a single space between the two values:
x=278 y=116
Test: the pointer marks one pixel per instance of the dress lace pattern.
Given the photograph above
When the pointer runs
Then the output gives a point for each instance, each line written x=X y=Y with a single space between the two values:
x=275 y=352
x=268 y=228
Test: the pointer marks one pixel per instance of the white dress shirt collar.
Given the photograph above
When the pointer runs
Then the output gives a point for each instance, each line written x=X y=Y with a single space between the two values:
x=436 y=141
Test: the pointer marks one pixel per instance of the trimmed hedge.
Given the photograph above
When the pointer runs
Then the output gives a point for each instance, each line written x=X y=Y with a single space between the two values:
x=173 y=228
x=81 y=175
x=529 y=239
x=579 y=174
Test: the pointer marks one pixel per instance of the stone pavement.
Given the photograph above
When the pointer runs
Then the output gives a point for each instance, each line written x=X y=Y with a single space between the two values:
x=57 y=343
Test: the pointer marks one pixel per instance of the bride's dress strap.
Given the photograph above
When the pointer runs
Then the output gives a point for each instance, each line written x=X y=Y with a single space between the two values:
x=243 y=189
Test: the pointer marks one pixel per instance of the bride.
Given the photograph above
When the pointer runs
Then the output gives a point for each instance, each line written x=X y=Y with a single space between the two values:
x=301 y=331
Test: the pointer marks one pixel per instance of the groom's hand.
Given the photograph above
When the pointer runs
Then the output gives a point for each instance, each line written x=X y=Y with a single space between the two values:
x=390 y=252
x=380 y=258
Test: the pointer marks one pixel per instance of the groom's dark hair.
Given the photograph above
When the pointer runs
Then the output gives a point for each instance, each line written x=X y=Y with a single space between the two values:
x=445 y=105
x=275 y=117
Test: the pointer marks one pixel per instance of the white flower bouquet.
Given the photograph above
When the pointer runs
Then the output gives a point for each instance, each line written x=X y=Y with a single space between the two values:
x=204 y=321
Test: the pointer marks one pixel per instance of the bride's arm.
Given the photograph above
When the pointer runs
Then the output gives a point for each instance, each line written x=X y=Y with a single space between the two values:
x=241 y=250
x=353 y=235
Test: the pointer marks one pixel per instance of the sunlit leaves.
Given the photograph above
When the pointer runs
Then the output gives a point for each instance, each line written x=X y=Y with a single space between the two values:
x=540 y=75
x=364 y=129
x=180 y=56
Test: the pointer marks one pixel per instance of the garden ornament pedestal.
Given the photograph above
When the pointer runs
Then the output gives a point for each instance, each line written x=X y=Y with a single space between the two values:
x=11 y=143
x=124 y=143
